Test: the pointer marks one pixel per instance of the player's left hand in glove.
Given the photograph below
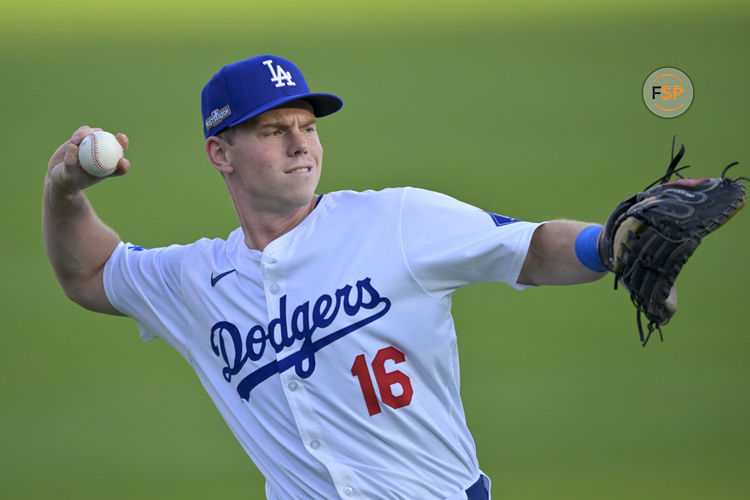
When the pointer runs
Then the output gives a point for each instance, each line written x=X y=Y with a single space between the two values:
x=650 y=236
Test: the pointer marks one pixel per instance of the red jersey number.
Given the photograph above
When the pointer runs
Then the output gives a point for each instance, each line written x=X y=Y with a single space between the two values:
x=385 y=380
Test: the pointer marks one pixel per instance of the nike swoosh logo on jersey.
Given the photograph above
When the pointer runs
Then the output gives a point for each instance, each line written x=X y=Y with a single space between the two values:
x=215 y=279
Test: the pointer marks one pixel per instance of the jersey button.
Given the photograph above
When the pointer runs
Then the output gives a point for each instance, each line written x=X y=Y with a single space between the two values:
x=292 y=386
x=348 y=491
x=274 y=288
x=314 y=444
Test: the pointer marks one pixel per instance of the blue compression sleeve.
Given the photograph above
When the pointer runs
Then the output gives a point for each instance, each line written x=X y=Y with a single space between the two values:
x=587 y=250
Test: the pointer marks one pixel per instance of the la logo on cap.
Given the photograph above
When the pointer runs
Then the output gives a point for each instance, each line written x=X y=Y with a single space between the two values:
x=278 y=76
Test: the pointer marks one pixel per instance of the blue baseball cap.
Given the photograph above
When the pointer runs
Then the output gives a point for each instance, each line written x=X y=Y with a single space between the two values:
x=245 y=89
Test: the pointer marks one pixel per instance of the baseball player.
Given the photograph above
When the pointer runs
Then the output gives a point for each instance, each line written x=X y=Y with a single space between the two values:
x=321 y=327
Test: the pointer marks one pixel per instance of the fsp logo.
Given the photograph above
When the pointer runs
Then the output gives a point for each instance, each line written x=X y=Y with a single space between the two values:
x=278 y=76
x=667 y=92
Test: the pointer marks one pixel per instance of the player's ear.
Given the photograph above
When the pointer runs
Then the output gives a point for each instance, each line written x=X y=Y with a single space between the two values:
x=217 y=152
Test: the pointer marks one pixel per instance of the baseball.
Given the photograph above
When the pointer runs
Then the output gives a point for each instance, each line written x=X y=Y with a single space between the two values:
x=99 y=153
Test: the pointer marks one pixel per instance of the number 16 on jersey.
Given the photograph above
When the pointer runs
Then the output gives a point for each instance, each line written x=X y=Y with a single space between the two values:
x=385 y=380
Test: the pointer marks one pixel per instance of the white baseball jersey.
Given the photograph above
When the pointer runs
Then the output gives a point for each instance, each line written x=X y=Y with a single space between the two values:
x=332 y=354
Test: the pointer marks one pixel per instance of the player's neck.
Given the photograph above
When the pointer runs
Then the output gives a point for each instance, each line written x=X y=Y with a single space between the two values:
x=261 y=228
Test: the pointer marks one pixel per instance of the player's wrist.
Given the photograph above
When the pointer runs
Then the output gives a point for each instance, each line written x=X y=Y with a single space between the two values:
x=58 y=186
x=587 y=248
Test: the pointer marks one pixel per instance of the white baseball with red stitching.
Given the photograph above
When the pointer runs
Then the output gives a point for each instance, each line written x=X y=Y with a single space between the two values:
x=99 y=153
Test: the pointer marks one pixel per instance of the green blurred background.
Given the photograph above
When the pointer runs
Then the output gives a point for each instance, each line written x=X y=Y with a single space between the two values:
x=533 y=111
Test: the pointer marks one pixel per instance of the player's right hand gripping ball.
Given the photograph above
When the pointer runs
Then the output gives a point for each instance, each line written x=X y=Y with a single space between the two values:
x=650 y=236
x=99 y=153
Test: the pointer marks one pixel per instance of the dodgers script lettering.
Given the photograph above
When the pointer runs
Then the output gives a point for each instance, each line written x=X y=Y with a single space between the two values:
x=236 y=349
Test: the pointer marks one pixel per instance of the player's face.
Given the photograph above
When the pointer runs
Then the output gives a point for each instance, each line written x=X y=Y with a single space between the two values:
x=277 y=158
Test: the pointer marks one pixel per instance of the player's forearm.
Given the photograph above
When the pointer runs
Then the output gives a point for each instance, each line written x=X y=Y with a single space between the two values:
x=552 y=259
x=78 y=243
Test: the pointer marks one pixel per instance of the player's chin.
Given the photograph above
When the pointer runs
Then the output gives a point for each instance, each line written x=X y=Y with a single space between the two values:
x=302 y=187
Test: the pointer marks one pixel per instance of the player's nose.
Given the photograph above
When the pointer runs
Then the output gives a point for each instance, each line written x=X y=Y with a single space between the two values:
x=297 y=143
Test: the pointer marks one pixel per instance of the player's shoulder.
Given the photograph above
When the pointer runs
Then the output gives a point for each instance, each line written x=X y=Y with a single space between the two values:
x=397 y=201
x=173 y=255
x=368 y=196
x=216 y=249
x=425 y=205
x=210 y=253
x=215 y=243
x=201 y=245
x=202 y=249
x=353 y=204
x=394 y=196
x=421 y=195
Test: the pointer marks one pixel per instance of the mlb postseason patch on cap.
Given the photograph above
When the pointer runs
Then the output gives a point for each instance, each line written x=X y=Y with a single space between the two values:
x=245 y=89
x=217 y=116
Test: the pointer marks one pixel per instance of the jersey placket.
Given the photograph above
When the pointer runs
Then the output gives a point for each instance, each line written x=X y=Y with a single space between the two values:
x=295 y=388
